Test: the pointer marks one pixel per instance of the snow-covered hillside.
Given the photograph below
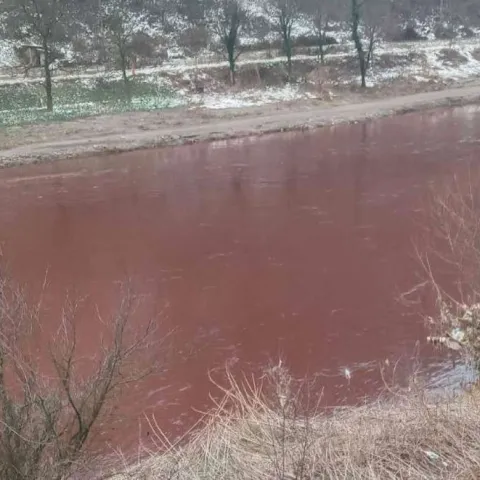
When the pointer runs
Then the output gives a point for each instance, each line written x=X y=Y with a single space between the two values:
x=8 y=58
x=261 y=28
x=200 y=79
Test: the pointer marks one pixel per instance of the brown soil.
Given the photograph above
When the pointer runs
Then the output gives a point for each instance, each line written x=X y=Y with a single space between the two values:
x=131 y=131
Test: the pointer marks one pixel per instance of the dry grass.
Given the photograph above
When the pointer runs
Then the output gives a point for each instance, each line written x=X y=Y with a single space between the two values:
x=271 y=430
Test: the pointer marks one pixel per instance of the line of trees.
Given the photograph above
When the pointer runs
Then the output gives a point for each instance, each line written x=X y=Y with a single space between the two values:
x=116 y=25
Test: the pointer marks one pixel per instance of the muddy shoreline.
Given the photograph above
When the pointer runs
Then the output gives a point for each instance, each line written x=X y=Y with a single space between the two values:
x=135 y=131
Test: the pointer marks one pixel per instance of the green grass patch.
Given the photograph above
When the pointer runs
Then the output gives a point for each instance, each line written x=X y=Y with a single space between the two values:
x=24 y=103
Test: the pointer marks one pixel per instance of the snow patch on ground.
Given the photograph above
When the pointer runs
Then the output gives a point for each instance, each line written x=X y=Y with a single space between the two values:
x=251 y=97
x=8 y=57
x=432 y=66
x=459 y=71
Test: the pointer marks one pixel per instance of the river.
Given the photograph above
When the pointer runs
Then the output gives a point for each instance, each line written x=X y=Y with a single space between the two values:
x=292 y=245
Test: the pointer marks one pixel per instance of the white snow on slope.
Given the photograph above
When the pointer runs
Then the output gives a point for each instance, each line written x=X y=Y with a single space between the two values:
x=430 y=50
x=251 y=97
x=8 y=58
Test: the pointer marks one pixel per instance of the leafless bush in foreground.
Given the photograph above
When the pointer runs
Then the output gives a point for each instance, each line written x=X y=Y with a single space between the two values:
x=454 y=253
x=46 y=421
x=274 y=430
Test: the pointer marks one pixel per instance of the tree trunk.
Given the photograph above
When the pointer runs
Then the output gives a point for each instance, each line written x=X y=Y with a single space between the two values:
x=126 y=82
x=232 y=75
x=288 y=52
x=363 y=73
x=48 y=77
x=48 y=88
x=289 y=66
x=358 y=42
x=322 y=52
x=124 y=74
x=287 y=45
x=362 y=63
x=231 y=63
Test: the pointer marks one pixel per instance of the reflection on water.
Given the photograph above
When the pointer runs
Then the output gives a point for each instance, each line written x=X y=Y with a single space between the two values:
x=294 y=245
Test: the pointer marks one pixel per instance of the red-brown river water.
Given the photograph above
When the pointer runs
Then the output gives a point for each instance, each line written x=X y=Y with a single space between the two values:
x=293 y=245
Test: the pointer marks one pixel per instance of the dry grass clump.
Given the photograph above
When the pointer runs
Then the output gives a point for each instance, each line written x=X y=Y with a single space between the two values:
x=273 y=430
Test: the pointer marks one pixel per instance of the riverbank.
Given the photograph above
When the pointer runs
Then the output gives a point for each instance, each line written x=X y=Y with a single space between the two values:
x=272 y=430
x=142 y=130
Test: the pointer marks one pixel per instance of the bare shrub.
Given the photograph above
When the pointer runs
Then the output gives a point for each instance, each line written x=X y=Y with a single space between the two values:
x=407 y=34
x=453 y=251
x=476 y=54
x=47 y=419
x=83 y=52
x=274 y=429
x=451 y=57
x=194 y=39
x=142 y=46
x=443 y=32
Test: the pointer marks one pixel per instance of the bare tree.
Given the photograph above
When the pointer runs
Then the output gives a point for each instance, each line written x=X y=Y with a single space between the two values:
x=46 y=421
x=231 y=18
x=366 y=20
x=119 y=30
x=122 y=32
x=322 y=13
x=284 y=13
x=48 y=24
